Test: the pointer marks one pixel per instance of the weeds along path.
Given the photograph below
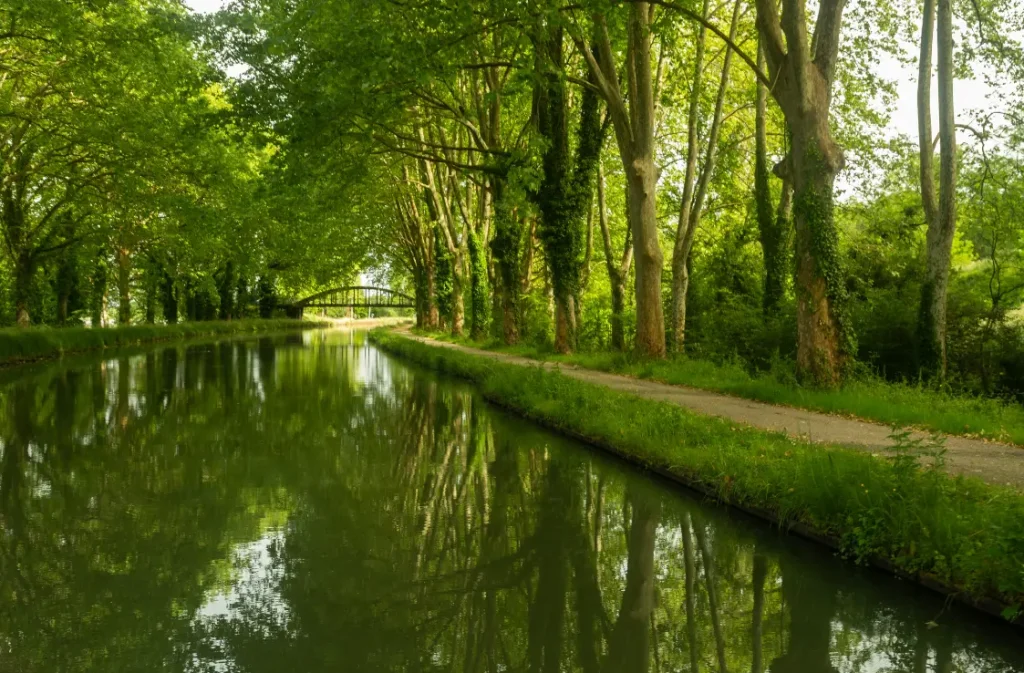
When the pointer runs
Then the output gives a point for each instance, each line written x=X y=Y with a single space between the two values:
x=995 y=463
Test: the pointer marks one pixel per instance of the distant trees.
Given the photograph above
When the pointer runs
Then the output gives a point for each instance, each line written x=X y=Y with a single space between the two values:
x=119 y=140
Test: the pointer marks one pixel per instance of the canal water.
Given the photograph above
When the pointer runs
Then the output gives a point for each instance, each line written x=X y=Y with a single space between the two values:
x=308 y=504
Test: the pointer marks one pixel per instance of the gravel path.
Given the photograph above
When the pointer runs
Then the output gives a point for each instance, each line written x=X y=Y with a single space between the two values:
x=996 y=463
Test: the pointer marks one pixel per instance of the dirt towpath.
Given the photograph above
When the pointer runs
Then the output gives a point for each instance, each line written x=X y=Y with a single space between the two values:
x=1000 y=464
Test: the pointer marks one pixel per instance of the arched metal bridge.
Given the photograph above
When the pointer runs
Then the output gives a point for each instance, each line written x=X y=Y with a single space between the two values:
x=360 y=296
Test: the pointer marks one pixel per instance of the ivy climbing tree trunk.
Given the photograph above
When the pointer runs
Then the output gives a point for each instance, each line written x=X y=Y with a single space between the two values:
x=444 y=282
x=478 y=290
x=802 y=70
x=774 y=228
x=940 y=212
x=507 y=251
x=567 y=186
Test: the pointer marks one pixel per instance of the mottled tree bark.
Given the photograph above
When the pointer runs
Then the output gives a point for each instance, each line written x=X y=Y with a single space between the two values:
x=802 y=71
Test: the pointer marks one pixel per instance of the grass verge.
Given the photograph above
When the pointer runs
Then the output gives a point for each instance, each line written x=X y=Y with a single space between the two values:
x=957 y=535
x=41 y=343
x=904 y=404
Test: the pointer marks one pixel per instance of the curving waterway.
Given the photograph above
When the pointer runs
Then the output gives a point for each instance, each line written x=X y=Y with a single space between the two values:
x=308 y=504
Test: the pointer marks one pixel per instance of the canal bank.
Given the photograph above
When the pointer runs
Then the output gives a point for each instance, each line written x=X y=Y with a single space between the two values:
x=21 y=345
x=959 y=535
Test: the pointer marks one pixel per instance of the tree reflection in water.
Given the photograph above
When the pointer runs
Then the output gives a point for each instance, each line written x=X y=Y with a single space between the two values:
x=310 y=505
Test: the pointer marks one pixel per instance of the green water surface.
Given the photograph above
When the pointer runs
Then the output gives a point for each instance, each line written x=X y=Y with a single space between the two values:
x=308 y=504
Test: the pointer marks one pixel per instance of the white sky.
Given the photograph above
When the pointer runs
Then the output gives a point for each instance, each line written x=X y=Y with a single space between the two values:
x=205 y=5
x=968 y=95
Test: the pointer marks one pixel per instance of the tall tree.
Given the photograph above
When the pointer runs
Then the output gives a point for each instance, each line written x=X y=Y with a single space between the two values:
x=801 y=70
x=939 y=210
x=633 y=119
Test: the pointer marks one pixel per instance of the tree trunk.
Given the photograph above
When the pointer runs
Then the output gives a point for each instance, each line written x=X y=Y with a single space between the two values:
x=618 y=321
x=567 y=187
x=565 y=324
x=942 y=226
x=169 y=299
x=151 y=290
x=633 y=118
x=458 y=296
x=773 y=228
x=226 y=292
x=478 y=288
x=507 y=251
x=99 y=293
x=497 y=293
x=432 y=319
x=124 y=271
x=617 y=270
x=821 y=330
x=801 y=70
x=650 y=318
x=642 y=176
x=67 y=284
x=420 y=294
x=24 y=270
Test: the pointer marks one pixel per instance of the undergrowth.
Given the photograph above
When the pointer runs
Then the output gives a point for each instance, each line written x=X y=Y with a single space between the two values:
x=902 y=510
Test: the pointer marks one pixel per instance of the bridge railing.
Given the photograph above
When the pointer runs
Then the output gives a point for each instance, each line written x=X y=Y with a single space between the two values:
x=357 y=296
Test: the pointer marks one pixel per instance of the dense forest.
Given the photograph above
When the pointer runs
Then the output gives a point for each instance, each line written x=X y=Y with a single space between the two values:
x=654 y=177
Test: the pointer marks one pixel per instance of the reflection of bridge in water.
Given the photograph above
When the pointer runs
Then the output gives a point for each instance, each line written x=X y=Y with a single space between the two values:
x=359 y=296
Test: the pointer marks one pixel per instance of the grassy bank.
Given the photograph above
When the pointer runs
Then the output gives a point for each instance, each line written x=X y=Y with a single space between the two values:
x=957 y=534
x=902 y=404
x=40 y=343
